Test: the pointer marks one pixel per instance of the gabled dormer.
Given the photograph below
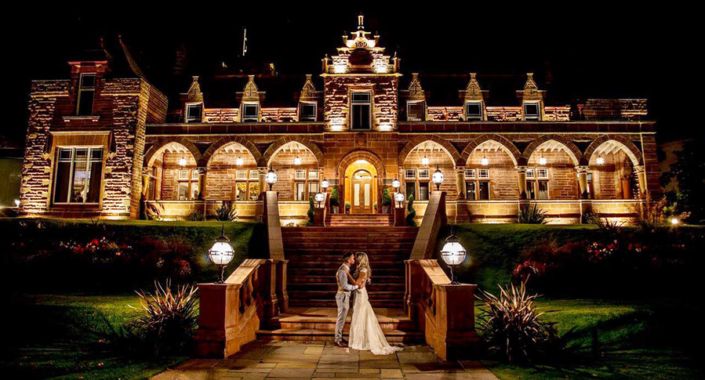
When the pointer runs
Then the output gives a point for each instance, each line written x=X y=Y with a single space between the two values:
x=308 y=101
x=193 y=102
x=474 y=101
x=86 y=82
x=415 y=100
x=250 y=102
x=531 y=100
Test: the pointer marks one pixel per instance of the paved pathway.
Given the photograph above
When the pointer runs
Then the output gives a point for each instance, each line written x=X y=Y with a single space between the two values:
x=271 y=360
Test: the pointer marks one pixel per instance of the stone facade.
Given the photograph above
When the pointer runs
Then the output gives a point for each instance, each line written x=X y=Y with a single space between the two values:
x=597 y=156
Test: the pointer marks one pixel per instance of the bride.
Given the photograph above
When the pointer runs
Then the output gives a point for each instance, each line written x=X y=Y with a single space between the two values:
x=365 y=332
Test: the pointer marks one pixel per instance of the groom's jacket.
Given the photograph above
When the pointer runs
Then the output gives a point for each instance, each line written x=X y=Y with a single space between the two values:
x=342 y=278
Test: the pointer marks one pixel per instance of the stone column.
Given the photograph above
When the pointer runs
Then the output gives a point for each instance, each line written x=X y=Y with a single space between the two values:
x=262 y=171
x=460 y=181
x=202 y=183
x=521 y=175
x=582 y=172
x=641 y=178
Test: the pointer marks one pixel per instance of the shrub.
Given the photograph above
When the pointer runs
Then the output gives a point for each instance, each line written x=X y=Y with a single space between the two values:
x=511 y=325
x=532 y=215
x=311 y=211
x=411 y=212
x=168 y=322
x=226 y=212
x=609 y=227
x=386 y=198
x=335 y=197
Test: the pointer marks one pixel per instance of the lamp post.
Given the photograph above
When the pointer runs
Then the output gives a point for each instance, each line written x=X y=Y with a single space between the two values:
x=221 y=253
x=437 y=178
x=453 y=253
x=320 y=197
x=324 y=185
x=271 y=178
x=399 y=198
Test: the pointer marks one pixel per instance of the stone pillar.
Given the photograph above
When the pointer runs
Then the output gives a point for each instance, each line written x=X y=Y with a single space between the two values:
x=582 y=171
x=521 y=175
x=641 y=178
x=202 y=183
x=460 y=181
x=262 y=171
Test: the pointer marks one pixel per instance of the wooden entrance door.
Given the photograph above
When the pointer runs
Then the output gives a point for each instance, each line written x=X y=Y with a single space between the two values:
x=361 y=192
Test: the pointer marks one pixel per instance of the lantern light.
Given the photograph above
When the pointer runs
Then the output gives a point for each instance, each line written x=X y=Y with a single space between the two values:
x=437 y=178
x=297 y=160
x=600 y=160
x=221 y=253
x=399 y=198
x=325 y=184
x=542 y=161
x=319 y=198
x=675 y=221
x=453 y=253
x=484 y=161
x=271 y=178
x=17 y=203
x=182 y=162
x=239 y=161
x=396 y=184
x=425 y=161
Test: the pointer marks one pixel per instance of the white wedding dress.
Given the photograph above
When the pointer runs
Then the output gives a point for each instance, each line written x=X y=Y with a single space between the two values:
x=365 y=331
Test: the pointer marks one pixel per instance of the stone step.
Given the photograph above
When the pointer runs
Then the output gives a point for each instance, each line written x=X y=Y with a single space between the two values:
x=328 y=286
x=393 y=337
x=325 y=319
x=330 y=302
x=379 y=279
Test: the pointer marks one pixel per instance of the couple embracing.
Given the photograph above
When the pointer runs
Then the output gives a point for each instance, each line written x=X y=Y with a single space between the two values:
x=365 y=331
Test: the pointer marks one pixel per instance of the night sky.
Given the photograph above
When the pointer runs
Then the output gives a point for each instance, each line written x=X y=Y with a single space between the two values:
x=590 y=50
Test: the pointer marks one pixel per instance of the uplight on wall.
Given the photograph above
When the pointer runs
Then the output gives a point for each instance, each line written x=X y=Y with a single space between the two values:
x=340 y=68
x=381 y=68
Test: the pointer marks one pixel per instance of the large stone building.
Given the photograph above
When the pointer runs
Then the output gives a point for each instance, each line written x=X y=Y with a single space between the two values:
x=107 y=143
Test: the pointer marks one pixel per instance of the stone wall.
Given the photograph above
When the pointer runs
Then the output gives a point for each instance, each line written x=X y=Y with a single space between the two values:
x=336 y=105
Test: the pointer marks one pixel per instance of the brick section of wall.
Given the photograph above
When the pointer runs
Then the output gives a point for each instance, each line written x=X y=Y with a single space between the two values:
x=556 y=113
x=221 y=115
x=614 y=109
x=336 y=105
x=563 y=180
x=651 y=166
x=504 y=180
x=279 y=114
x=434 y=113
x=36 y=169
x=508 y=113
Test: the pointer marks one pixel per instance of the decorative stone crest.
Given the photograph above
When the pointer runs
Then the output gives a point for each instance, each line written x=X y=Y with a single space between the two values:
x=531 y=89
x=194 y=93
x=473 y=90
x=308 y=91
x=416 y=92
x=251 y=93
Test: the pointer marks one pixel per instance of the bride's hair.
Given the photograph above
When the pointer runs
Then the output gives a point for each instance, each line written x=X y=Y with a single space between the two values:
x=363 y=262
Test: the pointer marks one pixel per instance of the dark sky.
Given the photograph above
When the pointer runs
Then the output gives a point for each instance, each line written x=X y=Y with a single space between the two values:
x=590 y=50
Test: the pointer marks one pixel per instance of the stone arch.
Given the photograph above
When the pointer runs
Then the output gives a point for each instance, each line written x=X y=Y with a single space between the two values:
x=571 y=149
x=509 y=148
x=160 y=144
x=629 y=148
x=213 y=148
x=361 y=154
x=264 y=161
x=413 y=143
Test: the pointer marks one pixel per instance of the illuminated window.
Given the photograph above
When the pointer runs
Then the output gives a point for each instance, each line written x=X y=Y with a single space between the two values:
x=78 y=175
x=250 y=112
x=194 y=112
x=477 y=184
x=537 y=183
x=473 y=111
x=361 y=110
x=86 y=95
x=410 y=174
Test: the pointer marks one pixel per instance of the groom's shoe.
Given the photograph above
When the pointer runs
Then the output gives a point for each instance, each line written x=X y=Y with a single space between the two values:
x=341 y=344
x=345 y=342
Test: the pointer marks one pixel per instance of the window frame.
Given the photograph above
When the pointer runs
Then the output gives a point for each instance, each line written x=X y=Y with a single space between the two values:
x=81 y=88
x=417 y=117
x=354 y=103
x=534 y=176
x=532 y=117
x=249 y=119
x=303 y=104
x=187 y=112
x=72 y=160
x=474 y=117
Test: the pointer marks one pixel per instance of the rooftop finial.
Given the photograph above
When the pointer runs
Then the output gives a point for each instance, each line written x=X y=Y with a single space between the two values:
x=360 y=22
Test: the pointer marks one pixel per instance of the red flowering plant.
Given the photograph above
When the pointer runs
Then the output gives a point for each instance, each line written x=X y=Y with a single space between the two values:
x=598 y=251
x=97 y=250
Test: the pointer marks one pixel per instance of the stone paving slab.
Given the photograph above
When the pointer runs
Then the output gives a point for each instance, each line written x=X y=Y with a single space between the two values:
x=297 y=360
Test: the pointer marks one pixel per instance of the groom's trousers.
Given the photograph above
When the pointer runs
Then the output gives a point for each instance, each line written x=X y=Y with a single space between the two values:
x=342 y=300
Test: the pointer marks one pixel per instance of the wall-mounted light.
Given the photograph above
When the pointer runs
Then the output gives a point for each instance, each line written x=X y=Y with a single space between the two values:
x=17 y=203
x=484 y=161
x=239 y=161
x=425 y=161
x=600 y=160
x=542 y=160
x=297 y=160
x=182 y=162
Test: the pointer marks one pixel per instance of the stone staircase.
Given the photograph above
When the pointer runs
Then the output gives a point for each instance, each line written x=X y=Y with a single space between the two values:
x=315 y=253
x=357 y=220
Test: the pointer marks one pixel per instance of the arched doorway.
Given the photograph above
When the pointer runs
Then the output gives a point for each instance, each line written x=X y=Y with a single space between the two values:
x=361 y=187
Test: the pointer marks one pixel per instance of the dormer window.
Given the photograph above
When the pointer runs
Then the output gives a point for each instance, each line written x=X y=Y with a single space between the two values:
x=473 y=111
x=307 y=111
x=532 y=111
x=86 y=94
x=250 y=112
x=415 y=110
x=361 y=110
x=194 y=112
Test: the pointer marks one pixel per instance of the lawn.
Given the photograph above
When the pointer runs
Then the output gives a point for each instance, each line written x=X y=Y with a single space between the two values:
x=62 y=336
x=618 y=340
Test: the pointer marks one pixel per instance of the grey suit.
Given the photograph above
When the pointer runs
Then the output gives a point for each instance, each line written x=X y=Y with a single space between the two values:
x=342 y=299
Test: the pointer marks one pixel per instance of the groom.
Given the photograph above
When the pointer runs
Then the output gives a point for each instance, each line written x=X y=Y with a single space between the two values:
x=342 y=298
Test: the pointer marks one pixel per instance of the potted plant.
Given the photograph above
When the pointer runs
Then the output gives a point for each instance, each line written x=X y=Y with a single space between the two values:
x=348 y=206
x=335 y=200
x=386 y=201
x=411 y=213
